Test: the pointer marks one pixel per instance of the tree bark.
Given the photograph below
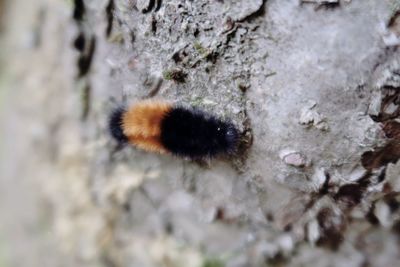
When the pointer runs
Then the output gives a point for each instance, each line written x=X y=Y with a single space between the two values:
x=313 y=87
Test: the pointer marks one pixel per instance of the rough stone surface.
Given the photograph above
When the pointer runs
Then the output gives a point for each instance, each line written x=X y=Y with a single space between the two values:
x=313 y=86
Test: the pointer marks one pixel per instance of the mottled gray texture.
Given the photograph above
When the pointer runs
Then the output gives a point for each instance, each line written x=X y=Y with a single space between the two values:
x=300 y=81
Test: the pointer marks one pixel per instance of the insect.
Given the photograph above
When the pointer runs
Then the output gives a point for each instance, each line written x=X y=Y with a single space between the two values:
x=159 y=126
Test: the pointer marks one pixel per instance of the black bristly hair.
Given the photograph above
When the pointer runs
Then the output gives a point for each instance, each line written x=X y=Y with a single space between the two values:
x=192 y=133
x=115 y=125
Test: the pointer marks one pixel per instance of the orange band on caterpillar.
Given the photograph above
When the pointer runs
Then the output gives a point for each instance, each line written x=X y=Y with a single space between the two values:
x=159 y=126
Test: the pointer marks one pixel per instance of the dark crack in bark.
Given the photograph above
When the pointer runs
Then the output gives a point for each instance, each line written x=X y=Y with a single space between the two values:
x=79 y=10
x=85 y=44
x=110 y=17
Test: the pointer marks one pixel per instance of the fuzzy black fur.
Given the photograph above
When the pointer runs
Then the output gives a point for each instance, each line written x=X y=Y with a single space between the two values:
x=191 y=133
x=115 y=125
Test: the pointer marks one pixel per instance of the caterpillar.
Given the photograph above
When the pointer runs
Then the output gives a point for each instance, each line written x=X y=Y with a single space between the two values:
x=162 y=127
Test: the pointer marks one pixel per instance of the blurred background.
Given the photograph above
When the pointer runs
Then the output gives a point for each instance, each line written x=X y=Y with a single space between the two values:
x=26 y=237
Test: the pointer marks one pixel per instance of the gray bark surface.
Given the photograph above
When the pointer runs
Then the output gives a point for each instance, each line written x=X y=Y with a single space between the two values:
x=313 y=87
